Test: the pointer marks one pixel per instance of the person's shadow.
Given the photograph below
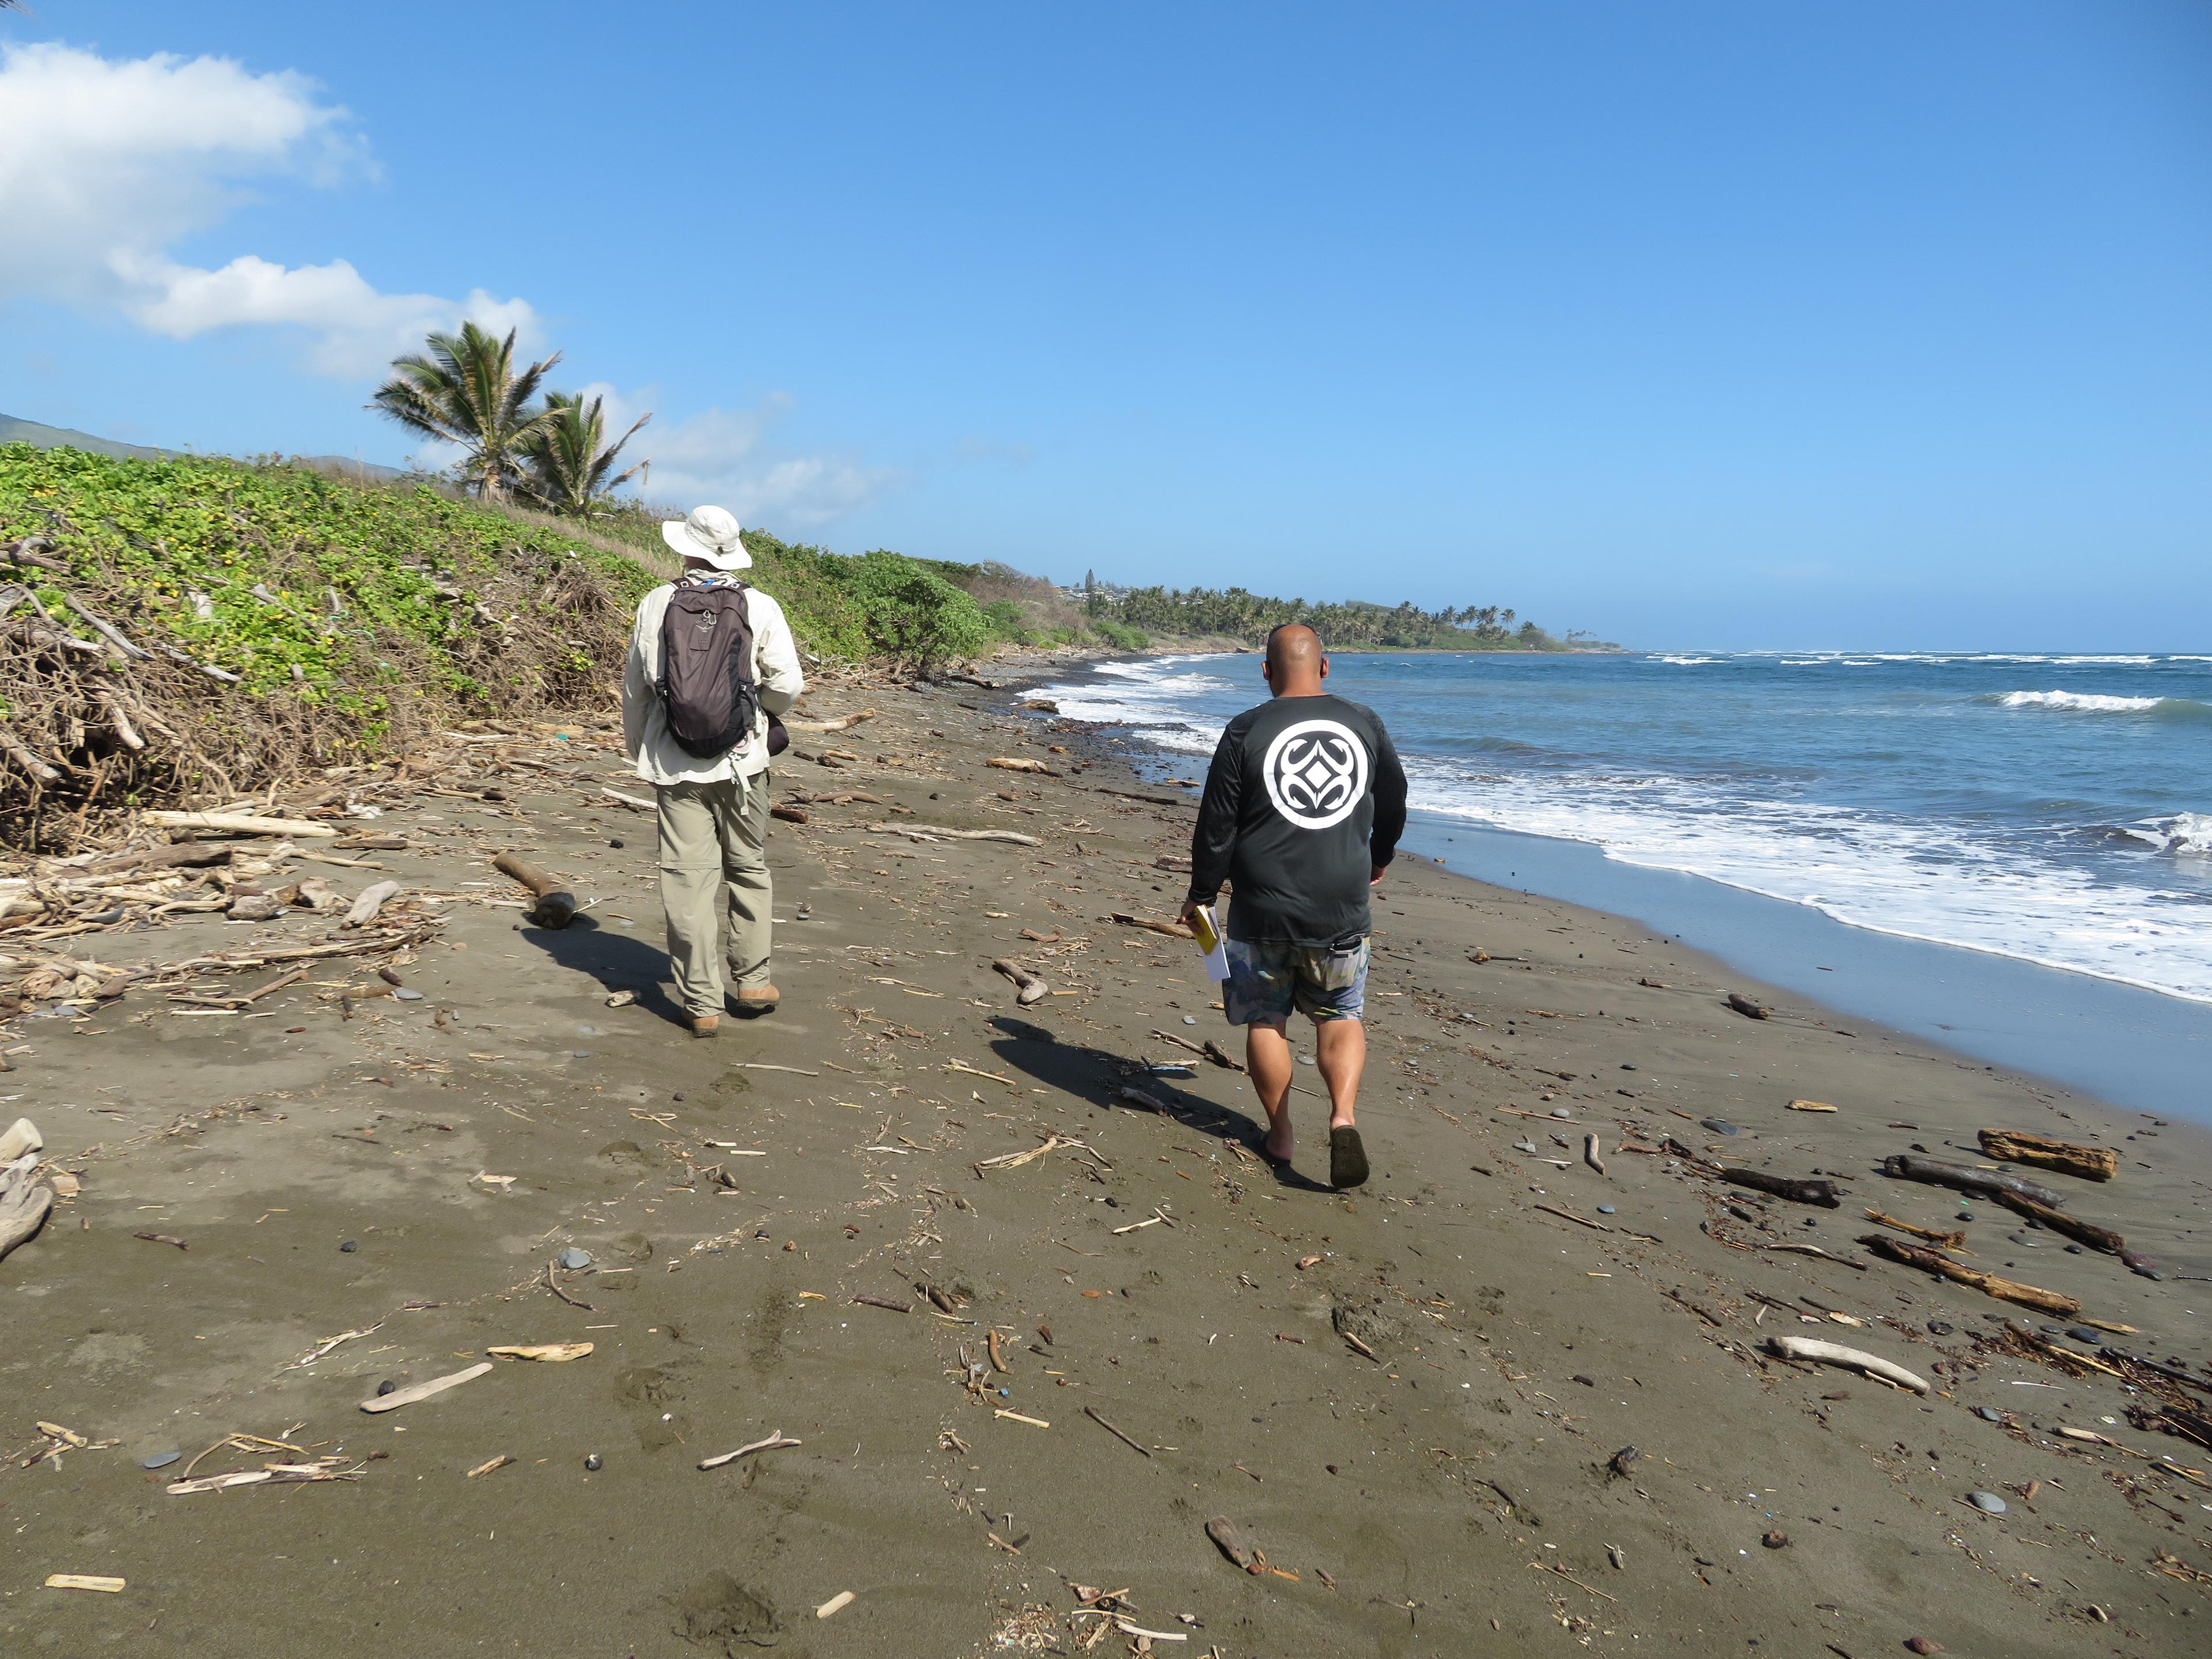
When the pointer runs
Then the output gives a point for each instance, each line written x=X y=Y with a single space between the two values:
x=618 y=962
x=1094 y=1073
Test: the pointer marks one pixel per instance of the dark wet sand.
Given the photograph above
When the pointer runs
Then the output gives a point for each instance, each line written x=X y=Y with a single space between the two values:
x=1450 y=1494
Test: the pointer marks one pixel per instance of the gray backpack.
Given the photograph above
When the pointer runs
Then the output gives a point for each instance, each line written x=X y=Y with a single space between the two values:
x=707 y=669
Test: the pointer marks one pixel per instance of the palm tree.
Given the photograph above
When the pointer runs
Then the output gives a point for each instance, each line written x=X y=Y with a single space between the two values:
x=464 y=389
x=567 y=458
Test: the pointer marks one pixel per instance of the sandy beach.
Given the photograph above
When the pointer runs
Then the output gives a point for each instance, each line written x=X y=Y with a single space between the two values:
x=1497 y=1401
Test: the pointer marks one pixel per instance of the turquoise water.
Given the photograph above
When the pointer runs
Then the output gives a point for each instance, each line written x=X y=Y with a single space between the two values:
x=2049 y=808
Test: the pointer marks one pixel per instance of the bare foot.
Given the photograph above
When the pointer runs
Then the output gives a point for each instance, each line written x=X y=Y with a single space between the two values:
x=1279 y=1144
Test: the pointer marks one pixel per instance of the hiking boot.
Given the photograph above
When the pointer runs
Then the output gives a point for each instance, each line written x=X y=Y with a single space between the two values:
x=757 y=999
x=705 y=1025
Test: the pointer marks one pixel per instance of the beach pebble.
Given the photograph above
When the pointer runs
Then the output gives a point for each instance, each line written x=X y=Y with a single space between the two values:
x=1965 y=1215
x=2073 y=1249
x=1606 y=1209
x=592 y=1463
x=406 y=995
x=387 y=1387
x=579 y=1054
x=1988 y=1503
x=1924 y=1644
x=1989 y=1414
x=2083 y=1334
x=1561 y=1111
x=349 y=1247
x=1776 y=1540
x=1305 y=1060
x=159 y=1460
x=616 y=842
x=1188 y=1019
x=1524 y=1146
x=1938 y=1327
x=575 y=1260
x=1719 y=1126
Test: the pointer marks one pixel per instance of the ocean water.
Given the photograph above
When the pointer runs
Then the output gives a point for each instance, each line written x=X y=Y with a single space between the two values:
x=2051 y=808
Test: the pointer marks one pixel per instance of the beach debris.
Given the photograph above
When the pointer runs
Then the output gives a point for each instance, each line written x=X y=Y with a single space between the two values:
x=884 y=1302
x=1015 y=1160
x=593 y=1463
x=1013 y=764
x=938 y=832
x=1810 y=1106
x=2086 y=1232
x=1775 y=1539
x=574 y=1260
x=329 y=1343
x=18 y=1138
x=551 y=1354
x=836 y=1604
x=1814 y=1250
x=840 y=724
x=789 y=814
x=1857 y=1359
x=1150 y=925
x=1820 y=1193
x=160 y=1460
x=24 y=1203
x=1719 y=1126
x=622 y=999
x=1935 y=1172
x=239 y=823
x=1135 y=1446
x=2017 y=1146
x=1922 y=1644
x=774 y=1440
x=636 y=803
x=1988 y=1503
x=162 y=1238
x=400 y=1397
x=996 y=1076
x=1589 y=1154
x=1941 y=1241
x=1232 y=1543
x=1034 y=1422
x=1750 y=1010
x=368 y=903
x=81 y=1581
x=1031 y=985
x=2005 y=1290
x=552 y=905
x=490 y=1464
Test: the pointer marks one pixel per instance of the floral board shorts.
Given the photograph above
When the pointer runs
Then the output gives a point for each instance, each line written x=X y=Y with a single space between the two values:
x=1267 y=978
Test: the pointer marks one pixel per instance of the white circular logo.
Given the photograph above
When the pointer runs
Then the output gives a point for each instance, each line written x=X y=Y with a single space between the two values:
x=1315 y=772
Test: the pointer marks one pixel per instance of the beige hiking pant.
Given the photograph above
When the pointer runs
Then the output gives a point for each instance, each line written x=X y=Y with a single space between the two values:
x=714 y=856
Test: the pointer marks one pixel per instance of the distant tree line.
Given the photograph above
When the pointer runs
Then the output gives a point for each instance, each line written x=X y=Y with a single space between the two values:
x=1238 y=614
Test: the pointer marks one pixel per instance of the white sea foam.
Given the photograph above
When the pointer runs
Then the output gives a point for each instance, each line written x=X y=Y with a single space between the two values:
x=1687 y=662
x=1945 y=884
x=2088 y=702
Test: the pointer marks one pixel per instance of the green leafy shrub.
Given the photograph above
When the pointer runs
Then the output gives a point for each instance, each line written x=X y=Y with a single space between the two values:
x=913 y=615
x=1120 y=638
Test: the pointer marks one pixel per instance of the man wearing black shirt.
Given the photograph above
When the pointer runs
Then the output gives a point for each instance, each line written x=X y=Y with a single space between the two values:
x=1304 y=804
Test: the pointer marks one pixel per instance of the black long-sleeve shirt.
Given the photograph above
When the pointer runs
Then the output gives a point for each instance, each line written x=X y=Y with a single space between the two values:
x=1305 y=799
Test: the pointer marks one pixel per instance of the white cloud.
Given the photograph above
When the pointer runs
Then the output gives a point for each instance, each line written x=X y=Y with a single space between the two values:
x=727 y=458
x=106 y=164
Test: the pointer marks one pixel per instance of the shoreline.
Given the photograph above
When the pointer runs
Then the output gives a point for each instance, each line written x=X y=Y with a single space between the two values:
x=2132 y=1044
x=1138 y=1330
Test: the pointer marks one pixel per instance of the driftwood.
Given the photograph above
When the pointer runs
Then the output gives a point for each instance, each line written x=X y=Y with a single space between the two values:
x=370 y=901
x=1172 y=929
x=18 y=1138
x=384 y=1402
x=23 y=1203
x=1033 y=988
x=1589 y=1154
x=555 y=905
x=1834 y=1353
x=1822 y=1193
x=1012 y=838
x=2016 y=1147
x=2085 y=1232
x=1006 y=763
x=838 y=725
x=2005 y=1290
x=238 y=823
x=1903 y=1166
x=789 y=814
x=1943 y=1241
x=1750 y=1010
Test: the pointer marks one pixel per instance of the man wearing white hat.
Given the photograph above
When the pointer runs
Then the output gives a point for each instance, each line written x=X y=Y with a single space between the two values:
x=711 y=661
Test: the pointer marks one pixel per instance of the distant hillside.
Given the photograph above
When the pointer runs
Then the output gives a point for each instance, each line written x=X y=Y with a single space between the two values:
x=15 y=431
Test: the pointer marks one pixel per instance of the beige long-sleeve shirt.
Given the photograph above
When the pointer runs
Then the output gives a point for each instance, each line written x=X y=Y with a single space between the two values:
x=657 y=758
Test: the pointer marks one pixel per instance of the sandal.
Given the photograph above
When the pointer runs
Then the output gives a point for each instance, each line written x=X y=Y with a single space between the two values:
x=1347 y=1158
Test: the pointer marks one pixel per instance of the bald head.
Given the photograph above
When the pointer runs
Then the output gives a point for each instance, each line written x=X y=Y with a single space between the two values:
x=1295 y=665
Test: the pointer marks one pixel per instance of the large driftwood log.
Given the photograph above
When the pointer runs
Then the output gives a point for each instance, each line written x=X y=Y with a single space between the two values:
x=239 y=823
x=2016 y=1147
x=1172 y=929
x=1750 y=1010
x=2005 y=1290
x=1834 y=1353
x=2085 y=1232
x=1822 y=1193
x=555 y=905
x=1904 y=1166
x=1013 y=837
x=842 y=723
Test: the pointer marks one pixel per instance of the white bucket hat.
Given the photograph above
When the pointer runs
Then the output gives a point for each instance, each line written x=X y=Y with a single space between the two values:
x=709 y=533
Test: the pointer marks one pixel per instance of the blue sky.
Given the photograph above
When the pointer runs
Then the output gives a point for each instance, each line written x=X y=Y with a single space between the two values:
x=1877 y=325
